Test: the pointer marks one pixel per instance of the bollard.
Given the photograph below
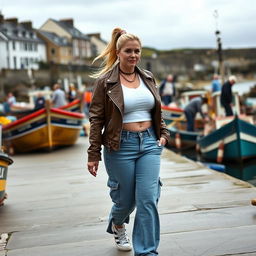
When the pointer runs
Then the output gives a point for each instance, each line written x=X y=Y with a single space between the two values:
x=220 y=152
x=5 y=161
x=177 y=141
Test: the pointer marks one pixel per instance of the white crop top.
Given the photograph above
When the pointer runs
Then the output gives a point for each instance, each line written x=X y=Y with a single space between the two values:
x=138 y=103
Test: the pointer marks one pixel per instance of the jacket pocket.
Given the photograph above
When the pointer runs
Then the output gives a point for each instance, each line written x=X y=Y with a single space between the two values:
x=114 y=191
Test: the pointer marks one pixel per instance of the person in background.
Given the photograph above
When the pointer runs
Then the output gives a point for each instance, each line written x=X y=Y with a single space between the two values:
x=125 y=116
x=87 y=101
x=167 y=90
x=58 y=96
x=72 y=94
x=226 y=95
x=192 y=108
x=39 y=102
x=216 y=85
x=10 y=100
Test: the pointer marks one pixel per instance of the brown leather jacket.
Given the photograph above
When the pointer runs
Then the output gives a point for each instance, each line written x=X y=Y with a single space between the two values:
x=107 y=108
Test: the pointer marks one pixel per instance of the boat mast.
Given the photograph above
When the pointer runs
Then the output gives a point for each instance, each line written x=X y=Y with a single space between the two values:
x=219 y=47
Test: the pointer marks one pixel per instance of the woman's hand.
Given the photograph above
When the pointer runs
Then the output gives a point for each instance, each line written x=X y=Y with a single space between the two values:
x=162 y=142
x=93 y=167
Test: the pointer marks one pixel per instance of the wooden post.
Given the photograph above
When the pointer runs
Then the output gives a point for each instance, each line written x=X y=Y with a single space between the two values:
x=48 y=123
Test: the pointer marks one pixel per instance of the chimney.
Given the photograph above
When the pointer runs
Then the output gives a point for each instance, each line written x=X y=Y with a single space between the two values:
x=27 y=24
x=97 y=35
x=13 y=21
x=69 y=22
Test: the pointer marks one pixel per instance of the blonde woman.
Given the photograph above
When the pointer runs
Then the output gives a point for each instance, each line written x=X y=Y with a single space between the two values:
x=125 y=116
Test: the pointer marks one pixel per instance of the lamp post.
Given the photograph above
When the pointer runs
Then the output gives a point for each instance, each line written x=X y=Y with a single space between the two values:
x=219 y=47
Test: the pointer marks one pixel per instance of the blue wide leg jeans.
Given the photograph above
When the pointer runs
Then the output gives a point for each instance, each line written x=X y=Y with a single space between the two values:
x=134 y=182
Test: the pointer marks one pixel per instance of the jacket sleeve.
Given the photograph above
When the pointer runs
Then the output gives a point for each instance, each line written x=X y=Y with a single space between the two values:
x=97 y=121
x=164 y=131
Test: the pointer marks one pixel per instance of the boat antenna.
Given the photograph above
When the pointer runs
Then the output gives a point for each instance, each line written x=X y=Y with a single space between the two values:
x=219 y=46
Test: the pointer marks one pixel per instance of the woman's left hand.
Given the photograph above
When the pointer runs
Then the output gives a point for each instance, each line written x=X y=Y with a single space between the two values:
x=162 y=142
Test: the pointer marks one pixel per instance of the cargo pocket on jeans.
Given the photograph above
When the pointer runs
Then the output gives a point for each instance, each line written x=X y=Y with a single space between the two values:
x=114 y=191
x=160 y=184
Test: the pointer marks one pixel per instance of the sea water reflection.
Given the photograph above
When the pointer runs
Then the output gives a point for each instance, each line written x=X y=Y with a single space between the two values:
x=245 y=170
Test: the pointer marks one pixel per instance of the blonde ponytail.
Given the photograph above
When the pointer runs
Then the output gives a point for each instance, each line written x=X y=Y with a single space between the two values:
x=109 y=56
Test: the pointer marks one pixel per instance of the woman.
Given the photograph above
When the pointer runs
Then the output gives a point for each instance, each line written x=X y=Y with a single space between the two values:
x=127 y=106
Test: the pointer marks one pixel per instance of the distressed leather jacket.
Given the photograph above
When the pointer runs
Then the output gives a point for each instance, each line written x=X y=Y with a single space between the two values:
x=107 y=108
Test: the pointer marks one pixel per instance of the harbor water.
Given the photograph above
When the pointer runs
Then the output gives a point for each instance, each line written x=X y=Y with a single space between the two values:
x=245 y=170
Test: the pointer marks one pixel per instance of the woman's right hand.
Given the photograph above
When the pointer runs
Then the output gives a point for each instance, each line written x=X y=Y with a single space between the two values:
x=93 y=167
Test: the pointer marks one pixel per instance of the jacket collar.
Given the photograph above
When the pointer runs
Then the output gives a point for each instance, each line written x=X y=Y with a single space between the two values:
x=114 y=75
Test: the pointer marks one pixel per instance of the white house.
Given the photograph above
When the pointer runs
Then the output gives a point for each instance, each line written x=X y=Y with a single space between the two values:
x=19 y=45
x=3 y=51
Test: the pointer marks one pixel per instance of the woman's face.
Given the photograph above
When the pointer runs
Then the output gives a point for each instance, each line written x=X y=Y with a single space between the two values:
x=129 y=54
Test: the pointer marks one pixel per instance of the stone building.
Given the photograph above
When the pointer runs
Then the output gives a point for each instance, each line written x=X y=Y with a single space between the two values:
x=80 y=43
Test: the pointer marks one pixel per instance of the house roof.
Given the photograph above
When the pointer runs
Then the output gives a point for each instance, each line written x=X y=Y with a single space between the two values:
x=97 y=35
x=54 y=38
x=74 y=32
x=18 y=32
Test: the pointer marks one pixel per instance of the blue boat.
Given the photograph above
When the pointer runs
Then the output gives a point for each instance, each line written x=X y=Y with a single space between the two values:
x=235 y=140
x=182 y=139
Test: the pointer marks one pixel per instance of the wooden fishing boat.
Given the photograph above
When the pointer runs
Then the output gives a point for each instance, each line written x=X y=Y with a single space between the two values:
x=171 y=114
x=235 y=140
x=74 y=106
x=182 y=139
x=21 y=109
x=44 y=129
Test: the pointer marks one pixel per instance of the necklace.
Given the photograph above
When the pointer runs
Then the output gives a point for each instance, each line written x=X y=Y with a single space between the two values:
x=129 y=81
x=127 y=73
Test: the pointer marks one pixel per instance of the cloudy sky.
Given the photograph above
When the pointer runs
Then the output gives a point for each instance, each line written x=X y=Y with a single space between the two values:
x=163 y=24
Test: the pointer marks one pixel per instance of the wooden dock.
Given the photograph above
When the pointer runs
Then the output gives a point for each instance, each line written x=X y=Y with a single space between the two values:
x=55 y=208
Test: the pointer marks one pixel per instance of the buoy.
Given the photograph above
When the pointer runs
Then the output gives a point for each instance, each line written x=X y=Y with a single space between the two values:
x=253 y=201
x=177 y=141
x=220 y=152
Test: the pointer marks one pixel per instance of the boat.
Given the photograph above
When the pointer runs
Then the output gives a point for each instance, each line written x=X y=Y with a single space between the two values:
x=176 y=123
x=171 y=113
x=46 y=128
x=74 y=106
x=182 y=139
x=233 y=139
x=21 y=109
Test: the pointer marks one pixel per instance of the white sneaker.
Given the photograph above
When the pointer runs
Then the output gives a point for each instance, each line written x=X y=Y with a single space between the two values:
x=121 y=238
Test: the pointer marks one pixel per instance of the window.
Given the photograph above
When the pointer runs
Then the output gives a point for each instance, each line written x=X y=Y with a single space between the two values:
x=13 y=45
x=15 y=62
x=22 y=64
x=52 y=51
x=8 y=62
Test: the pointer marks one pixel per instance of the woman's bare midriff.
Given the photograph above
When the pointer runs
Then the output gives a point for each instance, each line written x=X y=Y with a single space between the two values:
x=137 y=126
